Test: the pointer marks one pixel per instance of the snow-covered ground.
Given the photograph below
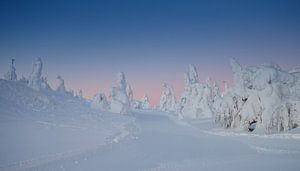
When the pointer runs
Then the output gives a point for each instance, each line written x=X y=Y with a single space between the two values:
x=157 y=142
x=46 y=129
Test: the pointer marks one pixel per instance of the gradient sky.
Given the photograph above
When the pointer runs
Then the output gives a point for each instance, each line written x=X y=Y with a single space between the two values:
x=152 y=41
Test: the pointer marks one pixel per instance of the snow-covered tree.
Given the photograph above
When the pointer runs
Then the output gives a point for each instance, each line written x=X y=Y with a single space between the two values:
x=120 y=102
x=264 y=95
x=11 y=74
x=100 y=102
x=144 y=103
x=167 y=99
x=61 y=85
x=197 y=98
x=129 y=93
x=35 y=80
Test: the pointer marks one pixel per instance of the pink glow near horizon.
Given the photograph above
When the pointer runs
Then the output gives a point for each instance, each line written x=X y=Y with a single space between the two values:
x=140 y=88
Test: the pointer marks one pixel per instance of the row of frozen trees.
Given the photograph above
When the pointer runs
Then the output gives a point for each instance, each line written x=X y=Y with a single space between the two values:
x=121 y=98
x=36 y=81
x=265 y=96
x=121 y=95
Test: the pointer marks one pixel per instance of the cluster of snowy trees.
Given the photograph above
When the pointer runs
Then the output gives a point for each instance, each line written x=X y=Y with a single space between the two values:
x=264 y=96
x=121 y=95
x=38 y=82
x=121 y=98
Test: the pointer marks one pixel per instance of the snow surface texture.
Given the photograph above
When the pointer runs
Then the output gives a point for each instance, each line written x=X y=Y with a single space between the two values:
x=121 y=96
x=40 y=127
x=264 y=95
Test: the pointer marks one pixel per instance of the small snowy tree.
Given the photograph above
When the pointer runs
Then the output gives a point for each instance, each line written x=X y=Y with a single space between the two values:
x=197 y=99
x=61 y=85
x=120 y=102
x=11 y=74
x=35 y=78
x=129 y=93
x=167 y=99
x=145 y=103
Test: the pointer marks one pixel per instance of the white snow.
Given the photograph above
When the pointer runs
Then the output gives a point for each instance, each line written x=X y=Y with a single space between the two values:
x=42 y=129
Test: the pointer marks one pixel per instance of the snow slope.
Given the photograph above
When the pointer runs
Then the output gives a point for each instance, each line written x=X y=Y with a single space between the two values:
x=48 y=130
x=38 y=127
x=164 y=143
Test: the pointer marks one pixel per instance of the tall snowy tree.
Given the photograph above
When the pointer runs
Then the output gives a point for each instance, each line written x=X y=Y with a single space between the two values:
x=35 y=78
x=11 y=74
x=145 y=102
x=61 y=85
x=197 y=98
x=167 y=99
x=120 y=102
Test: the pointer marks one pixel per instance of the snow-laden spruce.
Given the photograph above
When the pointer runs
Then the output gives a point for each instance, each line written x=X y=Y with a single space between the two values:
x=35 y=80
x=144 y=102
x=197 y=98
x=120 y=101
x=11 y=73
x=129 y=93
x=61 y=85
x=167 y=99
x=100 y=102
x=264 y=95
